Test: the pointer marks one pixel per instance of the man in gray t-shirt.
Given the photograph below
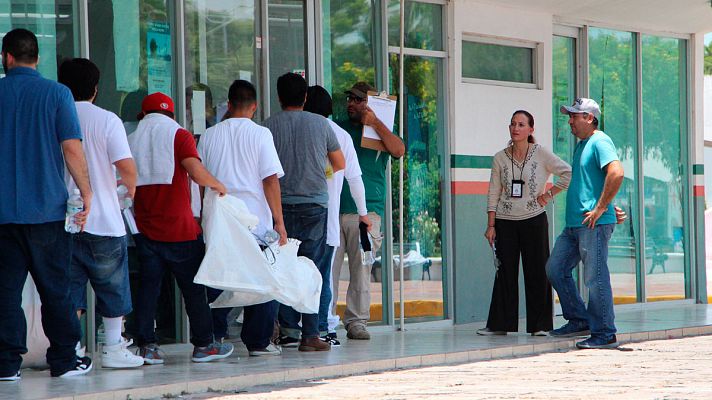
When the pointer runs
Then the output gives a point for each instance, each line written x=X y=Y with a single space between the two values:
x=304 y=143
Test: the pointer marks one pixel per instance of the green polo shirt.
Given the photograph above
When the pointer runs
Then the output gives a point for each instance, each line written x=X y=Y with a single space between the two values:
x=373 y=166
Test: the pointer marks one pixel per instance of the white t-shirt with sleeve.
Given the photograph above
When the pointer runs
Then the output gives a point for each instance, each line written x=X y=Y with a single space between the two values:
x=336 y=182
x=104 y=144
x=240 y=154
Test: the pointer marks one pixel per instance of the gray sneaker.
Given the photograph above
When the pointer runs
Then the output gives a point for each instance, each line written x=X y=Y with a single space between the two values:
x=151 y=354
x=213 y=351
x=358 y=332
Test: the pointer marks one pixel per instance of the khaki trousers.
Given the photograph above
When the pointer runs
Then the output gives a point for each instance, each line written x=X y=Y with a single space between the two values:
x=358 y=294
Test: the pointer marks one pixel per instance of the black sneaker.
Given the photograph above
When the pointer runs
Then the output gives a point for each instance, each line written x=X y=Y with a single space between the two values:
x=84 y=365
x=10 y=378
x=331 y=339
x=598 y=343
x=286 y=341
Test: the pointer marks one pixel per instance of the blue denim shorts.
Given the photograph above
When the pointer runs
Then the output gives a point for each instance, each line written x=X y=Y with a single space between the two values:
x=103 y=261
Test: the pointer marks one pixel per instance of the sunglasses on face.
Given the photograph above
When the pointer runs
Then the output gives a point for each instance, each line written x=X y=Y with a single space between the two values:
x=354 y=99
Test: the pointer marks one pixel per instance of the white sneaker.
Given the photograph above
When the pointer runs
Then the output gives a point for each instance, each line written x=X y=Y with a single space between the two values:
x=118 y=356
x=79 y=350
x=270 y=350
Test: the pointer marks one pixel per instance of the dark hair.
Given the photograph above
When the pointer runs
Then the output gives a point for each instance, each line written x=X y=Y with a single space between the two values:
x=241 y=94
x=81 y=76
x=530 y=119
x=22 y=44
x=318 y=101
x=291 y=89
x=595 y=122
x=164 y=112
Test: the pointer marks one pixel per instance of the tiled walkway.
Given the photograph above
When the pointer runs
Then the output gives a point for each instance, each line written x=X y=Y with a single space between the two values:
x=417 y=346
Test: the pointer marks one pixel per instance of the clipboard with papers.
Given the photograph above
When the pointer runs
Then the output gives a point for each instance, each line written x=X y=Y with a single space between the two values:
x=384 y=107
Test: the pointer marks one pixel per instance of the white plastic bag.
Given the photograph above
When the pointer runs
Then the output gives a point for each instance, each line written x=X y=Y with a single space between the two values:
x=297 y=279
x=37 y=342
x=234 y=262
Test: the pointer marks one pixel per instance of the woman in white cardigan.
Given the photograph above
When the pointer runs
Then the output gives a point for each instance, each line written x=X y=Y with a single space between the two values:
x=517 y=223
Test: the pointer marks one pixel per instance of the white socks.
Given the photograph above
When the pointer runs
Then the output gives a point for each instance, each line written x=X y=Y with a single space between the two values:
x=112 y=330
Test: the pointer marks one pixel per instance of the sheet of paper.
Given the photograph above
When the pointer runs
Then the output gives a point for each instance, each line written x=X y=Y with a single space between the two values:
x=197 y=106
x=385 y=110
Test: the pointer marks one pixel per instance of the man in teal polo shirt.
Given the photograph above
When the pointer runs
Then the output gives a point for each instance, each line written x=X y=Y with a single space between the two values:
x=590 y=220
x=40 y=134
x=373 y=166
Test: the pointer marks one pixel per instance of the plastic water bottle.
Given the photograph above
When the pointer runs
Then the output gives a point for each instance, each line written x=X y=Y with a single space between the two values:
x=124 y=200
x=75 y=204
x=271 y=237
x=367 y=257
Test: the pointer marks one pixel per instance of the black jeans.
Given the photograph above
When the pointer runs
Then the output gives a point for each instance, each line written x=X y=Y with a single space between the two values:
x=182 y=259
x=306 y=222
x=530 y=239
x=45 y=251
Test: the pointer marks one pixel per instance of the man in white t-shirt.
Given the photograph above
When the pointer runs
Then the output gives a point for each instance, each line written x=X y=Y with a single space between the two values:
x=100 y=253
x=319 y=102
x=242 y=155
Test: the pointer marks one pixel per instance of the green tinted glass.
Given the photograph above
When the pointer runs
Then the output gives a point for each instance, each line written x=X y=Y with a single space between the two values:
x=497 y=62
x=424 y=25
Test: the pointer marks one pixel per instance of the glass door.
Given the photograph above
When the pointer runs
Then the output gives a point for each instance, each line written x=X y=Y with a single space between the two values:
x=132 y=43
x=286 y=32
x=424 y=263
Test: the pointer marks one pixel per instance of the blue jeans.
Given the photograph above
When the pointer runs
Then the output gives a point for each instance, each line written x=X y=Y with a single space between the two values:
x=307 y=223
x=326 y=295
x=591 y=247
x=104 y=261
x=43 y=250
x=182 y=259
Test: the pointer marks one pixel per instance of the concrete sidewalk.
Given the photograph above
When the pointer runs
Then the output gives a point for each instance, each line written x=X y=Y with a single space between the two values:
x=419 y=346
x=663 y=369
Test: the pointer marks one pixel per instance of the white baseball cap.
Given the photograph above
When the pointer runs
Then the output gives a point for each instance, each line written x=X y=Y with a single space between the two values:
x=582 y=105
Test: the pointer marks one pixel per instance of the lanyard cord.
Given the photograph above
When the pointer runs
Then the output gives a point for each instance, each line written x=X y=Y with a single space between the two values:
x=521 y=170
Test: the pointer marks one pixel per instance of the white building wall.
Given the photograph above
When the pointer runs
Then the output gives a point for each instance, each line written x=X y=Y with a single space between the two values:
x=708 y=107
x=482 y=112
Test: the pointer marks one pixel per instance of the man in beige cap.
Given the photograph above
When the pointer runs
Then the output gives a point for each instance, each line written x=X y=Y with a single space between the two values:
x=358 y=296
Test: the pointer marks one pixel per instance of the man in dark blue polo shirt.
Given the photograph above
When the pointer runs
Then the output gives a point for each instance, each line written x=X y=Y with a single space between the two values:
x=40 y=134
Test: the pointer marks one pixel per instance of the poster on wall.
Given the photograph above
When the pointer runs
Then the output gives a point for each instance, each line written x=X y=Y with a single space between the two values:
x=158 y=55
x=127 y=44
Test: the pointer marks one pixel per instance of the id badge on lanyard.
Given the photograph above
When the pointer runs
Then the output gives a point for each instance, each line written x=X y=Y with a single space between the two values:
x=517 y=188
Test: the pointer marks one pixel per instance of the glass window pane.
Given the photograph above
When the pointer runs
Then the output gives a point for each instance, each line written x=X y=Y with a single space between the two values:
x=664 y=108
x=424 y=266
x=287 y=51
x=220 y=45
x=131 y=43
x=348 y=48
x=54 y=23
x=564 y=92
x=612 y=84
x=497 y=62
x=424 y=25
x=349 y=57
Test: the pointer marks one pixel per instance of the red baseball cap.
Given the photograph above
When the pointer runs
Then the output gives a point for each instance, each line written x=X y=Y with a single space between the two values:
x=157 y=102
